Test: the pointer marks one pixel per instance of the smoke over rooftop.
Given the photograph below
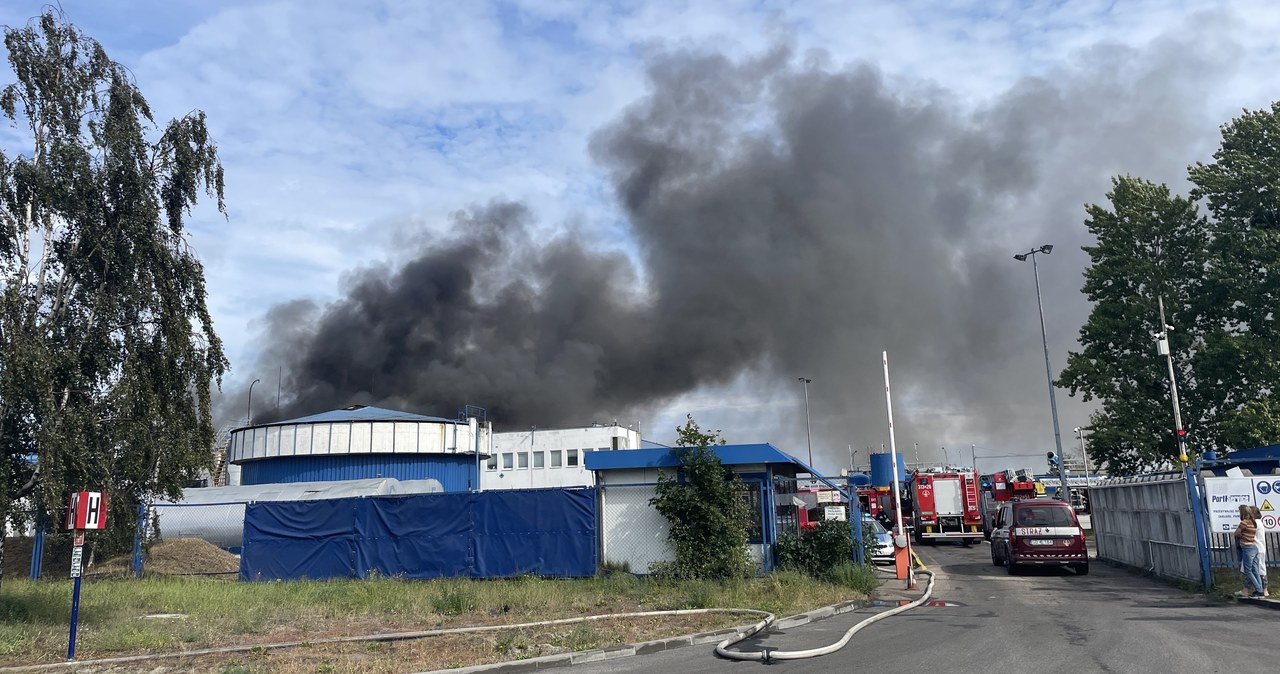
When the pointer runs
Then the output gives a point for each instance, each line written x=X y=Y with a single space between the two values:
x=788 y=217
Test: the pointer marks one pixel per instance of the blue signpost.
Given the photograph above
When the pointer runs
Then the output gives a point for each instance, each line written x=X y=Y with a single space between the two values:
x=77 y=554
x=85 y=510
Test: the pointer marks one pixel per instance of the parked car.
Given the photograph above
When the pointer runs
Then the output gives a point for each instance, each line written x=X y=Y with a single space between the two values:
x=1038 y=532
x=884 y=552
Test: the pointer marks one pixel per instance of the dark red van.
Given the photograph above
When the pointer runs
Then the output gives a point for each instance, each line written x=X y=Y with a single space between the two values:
x=1038 y=532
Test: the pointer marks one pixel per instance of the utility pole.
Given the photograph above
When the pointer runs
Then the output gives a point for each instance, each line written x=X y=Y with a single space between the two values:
x=1162 y=347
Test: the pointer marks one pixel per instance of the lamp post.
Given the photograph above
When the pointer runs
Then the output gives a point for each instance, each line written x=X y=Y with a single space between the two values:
x=807 y=429
x=1063 y=491
x=1083 y=452
x=248 y=416
x=973 y=455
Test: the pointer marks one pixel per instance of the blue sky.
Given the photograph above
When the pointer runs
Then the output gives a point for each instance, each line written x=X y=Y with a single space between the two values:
x=350 y=128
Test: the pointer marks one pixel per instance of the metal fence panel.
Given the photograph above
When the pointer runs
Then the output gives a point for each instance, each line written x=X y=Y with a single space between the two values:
x=1147 y=524
x=1223 y=555
x=633 y=534
x=189 y=539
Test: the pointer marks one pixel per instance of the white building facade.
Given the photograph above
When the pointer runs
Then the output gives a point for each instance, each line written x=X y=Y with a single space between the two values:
x=541 y=458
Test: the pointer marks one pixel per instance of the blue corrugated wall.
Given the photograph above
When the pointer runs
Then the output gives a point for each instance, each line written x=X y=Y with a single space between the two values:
x=455 y=472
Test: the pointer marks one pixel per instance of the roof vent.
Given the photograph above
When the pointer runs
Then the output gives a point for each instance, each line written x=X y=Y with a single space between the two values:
x=352 y=408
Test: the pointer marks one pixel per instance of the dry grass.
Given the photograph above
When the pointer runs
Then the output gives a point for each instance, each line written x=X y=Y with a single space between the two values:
x=174 y=557
x=33 y=618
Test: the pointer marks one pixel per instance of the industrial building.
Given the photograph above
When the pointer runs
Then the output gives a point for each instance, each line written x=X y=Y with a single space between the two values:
x=541 y=458
x=360 y=443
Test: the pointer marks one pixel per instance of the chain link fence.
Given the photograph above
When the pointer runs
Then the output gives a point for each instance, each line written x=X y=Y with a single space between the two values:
x=633 y=534
x=184 y=539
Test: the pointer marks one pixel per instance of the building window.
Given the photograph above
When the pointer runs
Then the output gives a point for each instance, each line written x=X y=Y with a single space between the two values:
x=507 y=459
x=539 y=459
x=555 y=458
x=570 y=458
x=492 y=462
x=522 y=460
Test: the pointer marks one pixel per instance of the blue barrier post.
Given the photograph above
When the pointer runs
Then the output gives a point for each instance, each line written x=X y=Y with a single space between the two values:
x=855 y=515
x=137 y=540
x=37 y=550
x=1197 y=511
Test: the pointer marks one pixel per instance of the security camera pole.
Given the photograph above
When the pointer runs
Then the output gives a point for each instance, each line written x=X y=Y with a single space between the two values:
x=1064 y=492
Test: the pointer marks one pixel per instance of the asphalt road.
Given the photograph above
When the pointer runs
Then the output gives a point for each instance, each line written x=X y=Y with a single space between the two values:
x=1048 y=620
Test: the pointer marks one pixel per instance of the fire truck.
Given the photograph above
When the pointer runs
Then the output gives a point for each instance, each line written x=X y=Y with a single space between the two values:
x=945 y=505
x=1003 y=487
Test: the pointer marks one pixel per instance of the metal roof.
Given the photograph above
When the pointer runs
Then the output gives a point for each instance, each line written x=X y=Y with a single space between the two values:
x=663 y=457
x=360 y=413
x=729 y=455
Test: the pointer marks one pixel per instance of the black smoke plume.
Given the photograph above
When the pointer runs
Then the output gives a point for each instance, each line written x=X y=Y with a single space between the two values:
x=788 y=218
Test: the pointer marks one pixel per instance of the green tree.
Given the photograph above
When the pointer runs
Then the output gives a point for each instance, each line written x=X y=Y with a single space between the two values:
x=707 y=511
x=1151 y=245
x=1242 y=189
x=107 y=350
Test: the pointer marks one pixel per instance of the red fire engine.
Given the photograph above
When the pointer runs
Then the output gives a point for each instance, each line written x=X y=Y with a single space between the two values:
x=946 y=505
x=1002 y=487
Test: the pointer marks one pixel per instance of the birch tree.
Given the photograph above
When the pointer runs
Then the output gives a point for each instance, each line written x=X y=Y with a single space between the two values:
x=107 y=349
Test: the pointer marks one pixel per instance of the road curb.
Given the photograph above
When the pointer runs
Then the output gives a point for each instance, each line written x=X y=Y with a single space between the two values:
x=645 y=647
x=1262 y=602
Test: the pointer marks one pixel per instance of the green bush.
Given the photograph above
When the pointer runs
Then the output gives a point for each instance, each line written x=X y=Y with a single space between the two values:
x=707 y=511
x=824 y=547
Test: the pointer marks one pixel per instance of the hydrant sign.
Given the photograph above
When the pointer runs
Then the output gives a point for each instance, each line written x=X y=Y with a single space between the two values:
x=87 y=510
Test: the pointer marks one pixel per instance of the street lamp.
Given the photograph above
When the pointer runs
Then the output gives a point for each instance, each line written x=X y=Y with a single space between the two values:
x=807 y=429
x=248 y=416
x=1063 y=492
x=1085 y=453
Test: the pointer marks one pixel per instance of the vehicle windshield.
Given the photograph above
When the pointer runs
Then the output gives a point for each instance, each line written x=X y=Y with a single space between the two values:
x=875 y=525
x=1045 y=516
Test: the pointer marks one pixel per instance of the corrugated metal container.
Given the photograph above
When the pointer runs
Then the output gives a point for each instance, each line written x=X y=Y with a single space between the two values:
x=455 y=472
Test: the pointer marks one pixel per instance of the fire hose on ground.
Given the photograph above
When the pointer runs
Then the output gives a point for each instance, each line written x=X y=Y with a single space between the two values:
x=767 y=655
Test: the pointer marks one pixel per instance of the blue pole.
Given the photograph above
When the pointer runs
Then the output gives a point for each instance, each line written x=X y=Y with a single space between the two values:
x=75 y=613
x=137 y=540
x=1202 y=539
x=855 y=514
x=37 y=550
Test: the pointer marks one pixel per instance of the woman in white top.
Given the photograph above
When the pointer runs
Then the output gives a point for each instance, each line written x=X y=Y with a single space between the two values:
x=1261 y=542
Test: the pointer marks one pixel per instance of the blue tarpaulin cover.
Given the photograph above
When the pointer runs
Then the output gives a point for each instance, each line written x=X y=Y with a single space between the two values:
x=549 y=532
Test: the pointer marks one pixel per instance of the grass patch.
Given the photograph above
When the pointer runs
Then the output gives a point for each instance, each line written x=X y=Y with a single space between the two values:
x=34 y=615
x=1227 y=582
x=860 y=577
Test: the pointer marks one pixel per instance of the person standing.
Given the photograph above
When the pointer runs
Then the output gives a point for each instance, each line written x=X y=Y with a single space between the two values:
x=1247 y=535
x=1261 y=540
